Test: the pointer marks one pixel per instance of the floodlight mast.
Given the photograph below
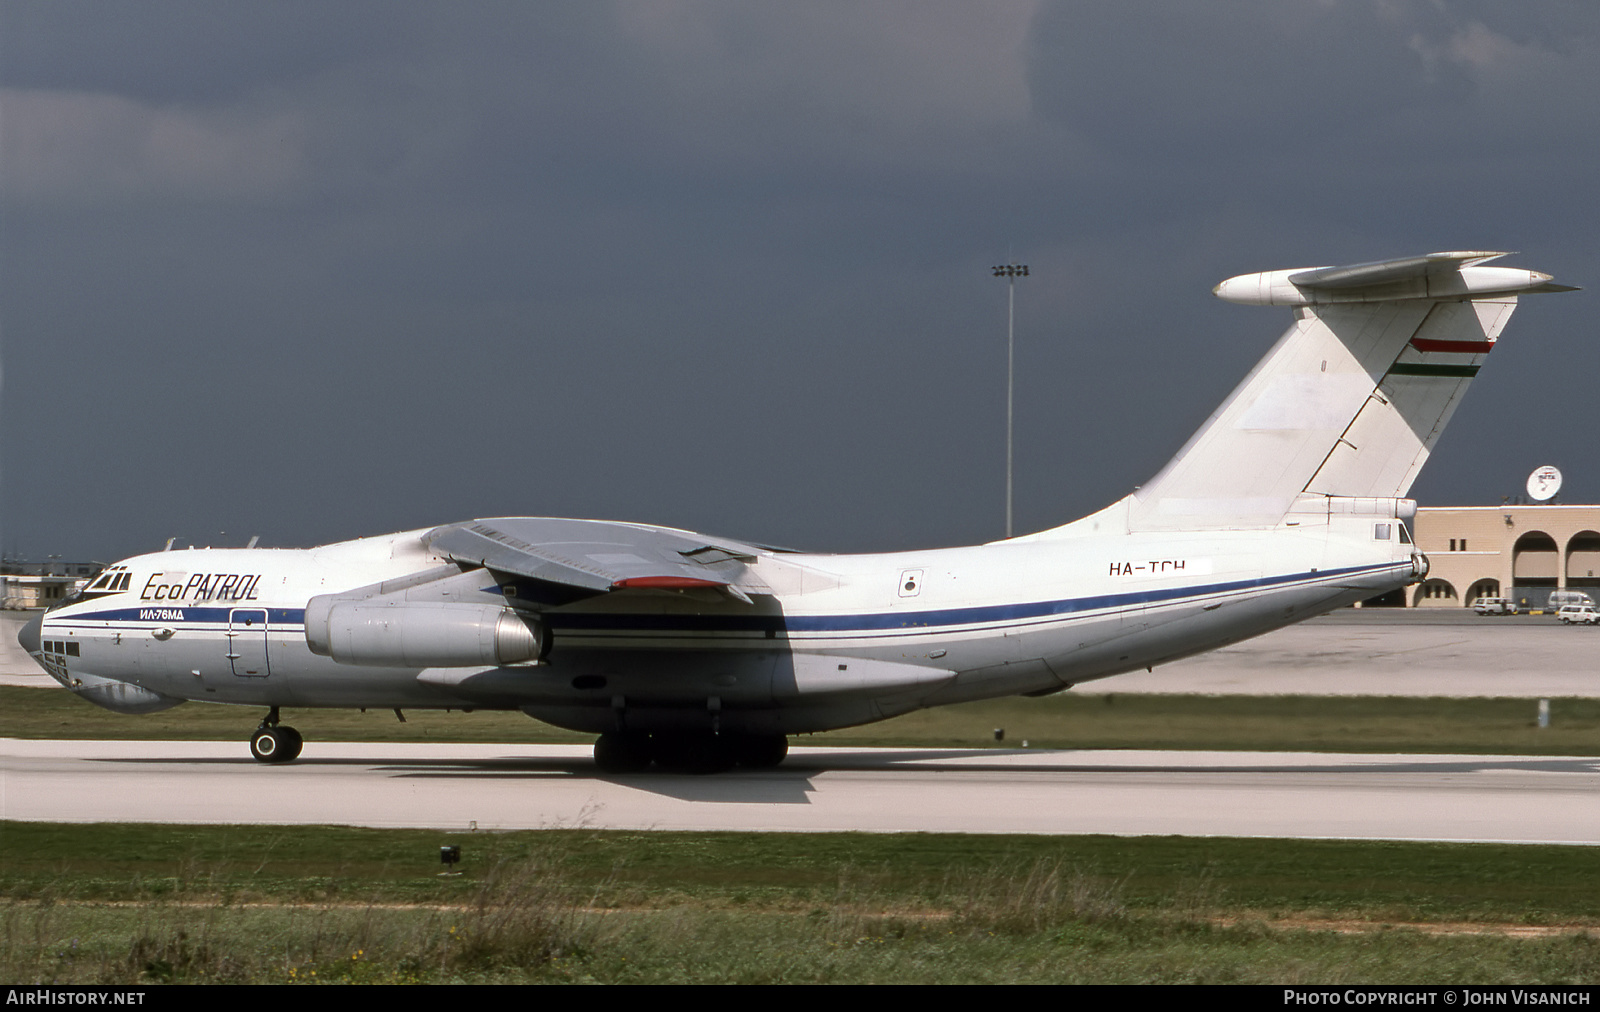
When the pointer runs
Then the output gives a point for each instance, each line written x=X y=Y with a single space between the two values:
x=1011 y=272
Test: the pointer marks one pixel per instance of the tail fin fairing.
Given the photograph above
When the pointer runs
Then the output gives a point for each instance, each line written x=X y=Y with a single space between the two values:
x=1351 y=400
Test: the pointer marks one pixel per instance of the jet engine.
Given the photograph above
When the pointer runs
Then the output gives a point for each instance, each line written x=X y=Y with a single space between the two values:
x=411 y=634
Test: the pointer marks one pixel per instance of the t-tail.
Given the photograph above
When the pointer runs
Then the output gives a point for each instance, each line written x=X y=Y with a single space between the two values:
x=1346 y=407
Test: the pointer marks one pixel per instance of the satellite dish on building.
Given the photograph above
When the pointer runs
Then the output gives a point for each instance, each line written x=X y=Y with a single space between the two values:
x=1544 y=483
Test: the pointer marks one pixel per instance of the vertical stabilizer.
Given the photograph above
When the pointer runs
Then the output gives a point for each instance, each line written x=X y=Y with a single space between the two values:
x=1391 y=436
x=1351 y=399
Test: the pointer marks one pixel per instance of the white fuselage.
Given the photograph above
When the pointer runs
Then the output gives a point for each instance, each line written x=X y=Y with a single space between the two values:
x=841 y=640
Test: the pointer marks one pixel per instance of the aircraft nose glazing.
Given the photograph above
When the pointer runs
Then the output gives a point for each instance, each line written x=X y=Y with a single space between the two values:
x=30 y=635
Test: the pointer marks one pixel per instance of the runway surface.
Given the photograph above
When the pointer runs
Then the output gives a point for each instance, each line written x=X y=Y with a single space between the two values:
x=1391 y=652
x=1414 y=652
x=1525 y=799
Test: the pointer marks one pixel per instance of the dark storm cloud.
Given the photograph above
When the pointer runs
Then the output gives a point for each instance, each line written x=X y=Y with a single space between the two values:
x=1350 y=107
x=1248 y=134
x=1223 y=80
x=318 y=270
x=210 y=52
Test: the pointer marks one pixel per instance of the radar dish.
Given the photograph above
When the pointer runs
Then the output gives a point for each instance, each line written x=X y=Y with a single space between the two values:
x=1544 y=483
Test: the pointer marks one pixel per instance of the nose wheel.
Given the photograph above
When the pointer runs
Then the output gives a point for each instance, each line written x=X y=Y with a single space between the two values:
x=273 y=742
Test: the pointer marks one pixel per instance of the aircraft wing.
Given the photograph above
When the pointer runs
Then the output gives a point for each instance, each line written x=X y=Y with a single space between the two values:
x=580 y=558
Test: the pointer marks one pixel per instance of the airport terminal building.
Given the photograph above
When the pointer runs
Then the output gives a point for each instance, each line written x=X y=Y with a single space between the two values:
x=41 y=584
x=1519 y=552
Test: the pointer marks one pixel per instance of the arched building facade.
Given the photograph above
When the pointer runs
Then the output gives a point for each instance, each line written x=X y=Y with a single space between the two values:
x=1519 y=552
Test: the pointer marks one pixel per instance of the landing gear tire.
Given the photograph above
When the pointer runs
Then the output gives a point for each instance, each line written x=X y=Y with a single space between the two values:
x=279 y=744
x=616 y=752
x=693 y=752
x=687 y=751
x=760 y=751
x=291 y=743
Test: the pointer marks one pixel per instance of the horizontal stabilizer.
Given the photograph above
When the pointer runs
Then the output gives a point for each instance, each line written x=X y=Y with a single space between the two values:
x=1385 y=272
x=1458 y=275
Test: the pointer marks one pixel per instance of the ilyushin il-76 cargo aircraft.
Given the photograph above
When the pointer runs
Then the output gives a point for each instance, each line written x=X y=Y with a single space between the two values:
x=702 y=653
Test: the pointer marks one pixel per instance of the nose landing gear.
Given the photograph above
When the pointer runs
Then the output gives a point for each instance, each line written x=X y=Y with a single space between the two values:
x=273 y=742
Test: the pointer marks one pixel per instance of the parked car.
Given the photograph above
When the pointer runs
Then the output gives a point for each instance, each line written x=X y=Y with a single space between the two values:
x=1494 y=606
x=1573 y=614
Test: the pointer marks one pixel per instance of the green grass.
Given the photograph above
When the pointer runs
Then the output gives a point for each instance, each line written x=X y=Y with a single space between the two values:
x=1067 y=720
x=1468 y=725
x=1399 y=880
x=54 y=713
x=130 y=903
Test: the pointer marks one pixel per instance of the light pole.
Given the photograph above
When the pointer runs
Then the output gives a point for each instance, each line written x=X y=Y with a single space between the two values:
x=1011 y=272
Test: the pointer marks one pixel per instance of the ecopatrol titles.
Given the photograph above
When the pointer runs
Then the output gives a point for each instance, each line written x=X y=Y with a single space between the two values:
x=182 y=588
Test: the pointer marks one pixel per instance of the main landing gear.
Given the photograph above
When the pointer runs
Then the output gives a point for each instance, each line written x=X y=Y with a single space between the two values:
x=687 y=751
x=273 y=742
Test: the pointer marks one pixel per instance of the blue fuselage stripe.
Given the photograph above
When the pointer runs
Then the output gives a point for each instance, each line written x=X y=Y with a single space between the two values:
x=870 y=622
x=189 y=615
x=931 y=620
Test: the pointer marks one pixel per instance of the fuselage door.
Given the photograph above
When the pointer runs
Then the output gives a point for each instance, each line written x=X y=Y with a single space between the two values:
x=247 y=642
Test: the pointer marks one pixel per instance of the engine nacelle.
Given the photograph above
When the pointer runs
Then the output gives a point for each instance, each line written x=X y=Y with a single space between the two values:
x=410 y=634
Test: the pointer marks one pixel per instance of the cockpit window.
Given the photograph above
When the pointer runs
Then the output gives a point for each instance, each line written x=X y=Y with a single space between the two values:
x=113 y=580
x=1405 y=535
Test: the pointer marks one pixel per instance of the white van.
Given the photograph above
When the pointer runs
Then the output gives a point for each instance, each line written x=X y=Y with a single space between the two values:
x=1559 y=599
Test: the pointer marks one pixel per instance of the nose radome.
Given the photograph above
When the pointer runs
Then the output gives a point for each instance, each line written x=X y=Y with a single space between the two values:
x=28 y=635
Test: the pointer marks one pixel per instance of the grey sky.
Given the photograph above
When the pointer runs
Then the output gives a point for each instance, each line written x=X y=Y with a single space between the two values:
x=314 y=271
